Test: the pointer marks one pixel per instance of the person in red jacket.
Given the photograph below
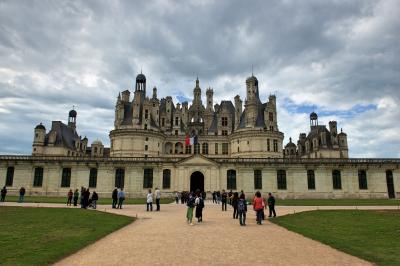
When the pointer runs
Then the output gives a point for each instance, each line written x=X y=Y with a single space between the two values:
x=258 y=206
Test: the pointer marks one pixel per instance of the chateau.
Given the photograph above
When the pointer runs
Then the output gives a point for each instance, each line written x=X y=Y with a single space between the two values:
x=236 y=146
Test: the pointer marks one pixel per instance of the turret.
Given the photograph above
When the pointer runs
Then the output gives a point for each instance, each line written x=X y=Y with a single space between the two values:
x=238 y=110
x=313 y=119
x=209 y=94
x=154 y=93
x=39 y=139
x=333 y=127
x=72 y=118
x=197 y=93
x=252 y=101
x=126 y=94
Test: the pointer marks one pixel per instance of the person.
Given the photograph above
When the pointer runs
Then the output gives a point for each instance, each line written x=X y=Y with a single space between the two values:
x=3 y=193
x=242 y=193
x=271 y=205
x=199 y=202
x=176 y=197
x=218 y=196
x=214 y=196
x=86 y=196
x=95 y=198
x=258 y=206
x=190 y=206
x=235 y=200
x=114 y=198
x=242 y=209
x=76 y=196
x=121 y=198
x=21 y=194
x=69 y=197
x=82 y=196
x=230 y=195
x=149 y=201
x=158 y=197
x=223 y=200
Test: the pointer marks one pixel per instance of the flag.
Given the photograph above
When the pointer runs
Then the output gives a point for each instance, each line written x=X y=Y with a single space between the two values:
x=195 y=139
x=187 y=140
x=191 y=141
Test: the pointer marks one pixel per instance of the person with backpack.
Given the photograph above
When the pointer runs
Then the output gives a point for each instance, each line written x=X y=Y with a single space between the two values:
x=199 y=202
x=242 y=209
x=271 y=205
x=69 y=197
x=235 y=200
x=258 y=206
x=190 y=206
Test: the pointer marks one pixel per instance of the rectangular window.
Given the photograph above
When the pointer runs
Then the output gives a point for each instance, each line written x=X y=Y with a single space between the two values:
x=224 y=132
x=268 y=145
x=146 y=147
x=146 y=114
x=205 y=148
x=336 y=179
x=231 y=179
x=225 y=148
x=281 y=179
x=66 y=177
x=166 y=178
x=275 y=145
x=176 y=132
x=119 y=177
x=257 y=179
x=311 y=179
x=148 y=178
x=162 y=122
x=188 y=149
x=216 y=148
x=93 y=177
x=10 y=176
x=224 y=121
x=176 y=121
x=38 y=177
x=362 y=179
x=271 y=117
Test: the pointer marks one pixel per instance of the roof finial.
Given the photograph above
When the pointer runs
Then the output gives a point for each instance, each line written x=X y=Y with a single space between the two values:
x=252 y=70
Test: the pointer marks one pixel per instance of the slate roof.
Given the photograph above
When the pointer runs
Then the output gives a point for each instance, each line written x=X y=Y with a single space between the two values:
x=65 y=135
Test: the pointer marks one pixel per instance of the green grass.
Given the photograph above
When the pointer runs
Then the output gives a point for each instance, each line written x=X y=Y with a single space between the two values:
x=370 y=235
x=39 y=199
x=41 y=236
x=337 y=202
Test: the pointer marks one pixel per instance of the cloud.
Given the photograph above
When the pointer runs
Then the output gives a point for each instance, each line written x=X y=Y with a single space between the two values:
x=338 y=58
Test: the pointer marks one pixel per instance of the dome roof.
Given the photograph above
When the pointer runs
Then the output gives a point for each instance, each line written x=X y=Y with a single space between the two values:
x=290 y=144
x=40 y=126
x=313 y=116
x=72 y=113
x=97 y=142
x=140 y=78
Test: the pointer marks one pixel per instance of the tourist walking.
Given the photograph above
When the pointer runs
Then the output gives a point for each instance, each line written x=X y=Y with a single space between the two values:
x=76 y=196
x=121 y=198
x=258 y=206
x=149 y=201
x=70 y=194
x=95 y=198
x=242 y=209
x=190 y=206
x=230 y=194
x=158 y=197
x=218 y=196
x=3 y=194
x=223 y=200
x=214 y=195
x=114 y=197
x=199 y=202
x=271 y=205
x=21 y=194
x=177 y=197
x=235 y=200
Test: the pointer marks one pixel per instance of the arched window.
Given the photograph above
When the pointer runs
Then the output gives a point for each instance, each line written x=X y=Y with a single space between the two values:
x=231 y=179
x=166 y=179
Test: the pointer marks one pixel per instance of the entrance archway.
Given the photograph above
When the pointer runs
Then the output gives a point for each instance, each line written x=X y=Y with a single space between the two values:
x=197 y=181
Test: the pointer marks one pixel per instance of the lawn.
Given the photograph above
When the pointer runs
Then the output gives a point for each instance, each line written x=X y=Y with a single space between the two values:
x=39 y=199
x=42 y=236
x=370 y=235
x=337 y=202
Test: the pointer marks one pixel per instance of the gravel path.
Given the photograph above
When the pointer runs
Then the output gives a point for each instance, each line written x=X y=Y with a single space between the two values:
x=164 y=238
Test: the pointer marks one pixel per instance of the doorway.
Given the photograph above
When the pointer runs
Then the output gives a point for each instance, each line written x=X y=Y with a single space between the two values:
x=390 y=185
x=197 y=181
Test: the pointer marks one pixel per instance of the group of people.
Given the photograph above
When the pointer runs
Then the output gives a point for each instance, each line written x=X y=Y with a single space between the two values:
x=3 y=194
x=86 y=199
x=149 y=199
x=195 y=200
x=118 y=197
x=183 y=196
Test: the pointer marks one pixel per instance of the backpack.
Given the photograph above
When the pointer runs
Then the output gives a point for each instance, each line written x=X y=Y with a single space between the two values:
x=201 y=203
x=190 y=202
x=241 y=205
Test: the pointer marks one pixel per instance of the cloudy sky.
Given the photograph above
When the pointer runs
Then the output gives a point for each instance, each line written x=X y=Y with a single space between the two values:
x=339 y=58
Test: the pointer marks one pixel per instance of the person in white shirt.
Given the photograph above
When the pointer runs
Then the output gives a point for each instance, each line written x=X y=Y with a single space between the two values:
x=121 y=198
x=158 y=197
x=149 y=201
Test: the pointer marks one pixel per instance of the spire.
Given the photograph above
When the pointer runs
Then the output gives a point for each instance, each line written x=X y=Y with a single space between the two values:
x=252 y=70
x=197 y=81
